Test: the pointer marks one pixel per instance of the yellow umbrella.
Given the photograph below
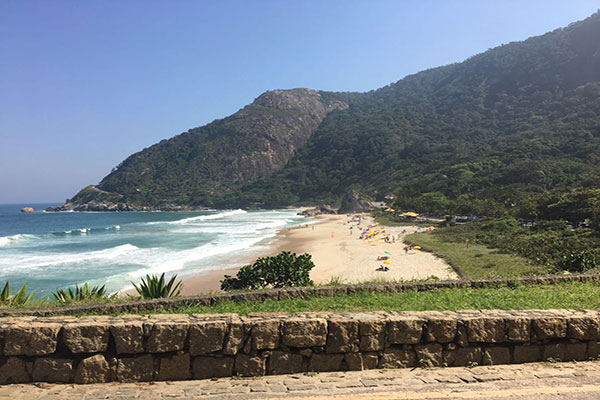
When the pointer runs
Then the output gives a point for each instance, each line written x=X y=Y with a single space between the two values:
x=417 y=247
x=410 y=214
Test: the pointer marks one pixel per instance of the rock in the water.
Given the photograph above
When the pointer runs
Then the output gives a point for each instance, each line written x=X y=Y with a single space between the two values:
x=27 y=209
x=352 y=203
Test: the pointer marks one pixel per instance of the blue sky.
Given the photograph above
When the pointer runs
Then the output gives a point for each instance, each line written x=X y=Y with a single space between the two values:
x=83 y=84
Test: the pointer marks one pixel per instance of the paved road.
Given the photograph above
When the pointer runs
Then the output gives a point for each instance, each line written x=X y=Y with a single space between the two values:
x=515 y=382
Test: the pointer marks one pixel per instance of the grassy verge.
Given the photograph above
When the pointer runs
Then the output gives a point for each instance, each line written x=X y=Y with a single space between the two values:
x=476 y=261
x=571 y=295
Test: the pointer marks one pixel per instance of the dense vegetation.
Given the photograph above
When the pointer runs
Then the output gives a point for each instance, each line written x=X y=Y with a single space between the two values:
x=283 y=270
x=157 y=287
x=474 y=260
x=476 y=249
x=80 y=294
x=493 y=135
x=483 y=137
x=20 y=298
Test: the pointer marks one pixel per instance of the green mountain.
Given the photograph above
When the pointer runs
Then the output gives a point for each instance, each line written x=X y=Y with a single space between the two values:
x=503 y=127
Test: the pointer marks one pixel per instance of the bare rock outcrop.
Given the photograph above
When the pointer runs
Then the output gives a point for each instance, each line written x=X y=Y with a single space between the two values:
x=353 y=203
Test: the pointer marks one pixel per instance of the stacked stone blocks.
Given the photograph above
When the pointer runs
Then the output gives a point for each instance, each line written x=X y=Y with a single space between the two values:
x=136 y=348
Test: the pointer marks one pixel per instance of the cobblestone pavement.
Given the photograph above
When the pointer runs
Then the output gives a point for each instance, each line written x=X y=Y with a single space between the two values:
x=525 y=381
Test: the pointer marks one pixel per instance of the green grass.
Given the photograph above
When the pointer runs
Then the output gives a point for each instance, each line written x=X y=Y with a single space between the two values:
x=572 y=295
x=50 y=303
x=569 y=295
x=475 y=261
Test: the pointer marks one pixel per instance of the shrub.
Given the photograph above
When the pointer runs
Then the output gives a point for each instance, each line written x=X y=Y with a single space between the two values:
x=577 y=261
x=19 y=299
x=83 y=293
x=154 y=287
x=283 y=270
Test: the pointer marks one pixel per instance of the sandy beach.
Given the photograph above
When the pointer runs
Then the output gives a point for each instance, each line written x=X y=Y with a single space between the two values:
x=339 y=253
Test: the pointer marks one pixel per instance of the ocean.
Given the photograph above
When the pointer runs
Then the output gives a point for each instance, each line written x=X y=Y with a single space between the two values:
x=57 y=250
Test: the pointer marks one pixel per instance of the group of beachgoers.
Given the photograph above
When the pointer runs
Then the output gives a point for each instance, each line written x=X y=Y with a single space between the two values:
x=371 y=232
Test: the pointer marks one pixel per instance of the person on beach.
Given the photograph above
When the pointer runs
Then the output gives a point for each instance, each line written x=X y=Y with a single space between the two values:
x=405 y=249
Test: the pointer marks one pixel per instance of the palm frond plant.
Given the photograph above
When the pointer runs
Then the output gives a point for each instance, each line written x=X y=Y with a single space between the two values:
x=155 y=287
x=80 y=294
x=19 y=299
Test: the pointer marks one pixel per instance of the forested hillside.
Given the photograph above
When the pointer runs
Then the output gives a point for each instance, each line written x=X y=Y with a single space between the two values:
x=511 y=123
x=497 y=132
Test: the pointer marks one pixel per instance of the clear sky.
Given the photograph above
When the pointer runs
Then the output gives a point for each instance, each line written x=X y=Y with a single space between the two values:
x=83 y=84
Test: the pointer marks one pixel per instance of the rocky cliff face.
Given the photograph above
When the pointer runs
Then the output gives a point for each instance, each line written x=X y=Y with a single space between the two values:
x=190 y=168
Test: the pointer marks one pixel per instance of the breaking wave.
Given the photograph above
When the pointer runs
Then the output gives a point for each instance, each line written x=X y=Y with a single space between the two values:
x=8 y=240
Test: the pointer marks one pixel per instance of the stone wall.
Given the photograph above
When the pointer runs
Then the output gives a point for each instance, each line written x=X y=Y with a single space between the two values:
x=178 y=347
x=142 y=306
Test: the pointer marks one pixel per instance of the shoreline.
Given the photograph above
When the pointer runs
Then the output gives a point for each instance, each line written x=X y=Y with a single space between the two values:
x=209 y=281
x=339 y=255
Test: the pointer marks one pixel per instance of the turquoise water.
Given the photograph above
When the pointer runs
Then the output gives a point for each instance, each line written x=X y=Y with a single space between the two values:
x=54 y=250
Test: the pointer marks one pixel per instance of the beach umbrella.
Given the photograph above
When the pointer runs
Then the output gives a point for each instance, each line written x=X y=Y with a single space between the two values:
x=417 y=247
x=388 y=253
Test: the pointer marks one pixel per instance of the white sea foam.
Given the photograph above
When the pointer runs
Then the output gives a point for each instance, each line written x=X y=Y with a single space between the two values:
x=174 y=261
x=35 y=262
x=209 y=217
x=238 y=228
x=8 y=240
